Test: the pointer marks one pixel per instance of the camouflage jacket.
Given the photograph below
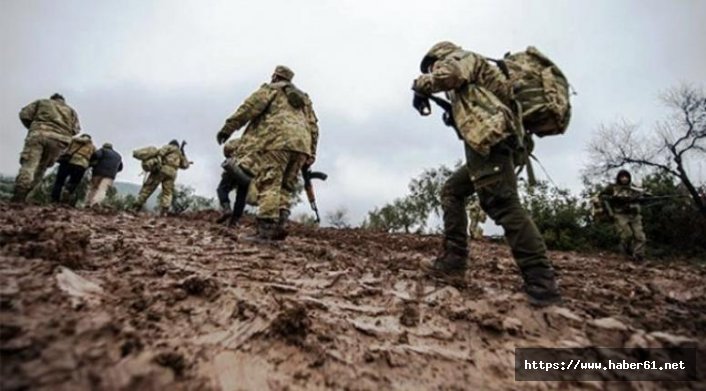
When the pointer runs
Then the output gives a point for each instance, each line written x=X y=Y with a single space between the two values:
x=53 y=117
x=480 y=96
x=274 y=123
x=172 y=160
x=622 y=198
x=80 y=150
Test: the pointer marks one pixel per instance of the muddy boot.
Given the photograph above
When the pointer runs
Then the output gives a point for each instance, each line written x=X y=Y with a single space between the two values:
x=163 y=212
x=540 y=286
x=265 y=231
x=451 y=264
x=226 y=213
x=280 y=230
x=638 y=258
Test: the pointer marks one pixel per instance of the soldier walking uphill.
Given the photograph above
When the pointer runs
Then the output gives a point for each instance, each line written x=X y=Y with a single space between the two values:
x=480 y=97
x=163 y=167
x=51 y=124
x=281 y=118
x=106 y=164
x=72 y=166
x=238 y=153
x=623 y=205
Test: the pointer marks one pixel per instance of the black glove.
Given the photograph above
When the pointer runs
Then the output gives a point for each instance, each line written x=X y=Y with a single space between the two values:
x=222 y=136
x=421 y=104
x=448 y=119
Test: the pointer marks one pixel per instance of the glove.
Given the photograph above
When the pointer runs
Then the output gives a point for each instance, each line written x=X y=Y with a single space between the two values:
x=421 y=104
x=448 y=119
x=222 y=136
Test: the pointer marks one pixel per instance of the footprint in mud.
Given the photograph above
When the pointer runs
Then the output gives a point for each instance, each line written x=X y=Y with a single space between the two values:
x=66 y=245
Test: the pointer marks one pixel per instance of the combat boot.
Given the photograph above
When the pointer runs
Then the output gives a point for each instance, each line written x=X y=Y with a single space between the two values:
x=164 y=211
x=265 y=231
x=136 y=208
x=226 y=213
x=280 y=230
x=452 y=263
x=540 y=286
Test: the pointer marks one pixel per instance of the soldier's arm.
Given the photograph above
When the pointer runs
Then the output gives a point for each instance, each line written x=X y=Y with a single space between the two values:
x=448 y=74
x=253 y=107
x=27 y=114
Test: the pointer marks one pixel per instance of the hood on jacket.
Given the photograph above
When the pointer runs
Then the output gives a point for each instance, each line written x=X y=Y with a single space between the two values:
x=623 y=173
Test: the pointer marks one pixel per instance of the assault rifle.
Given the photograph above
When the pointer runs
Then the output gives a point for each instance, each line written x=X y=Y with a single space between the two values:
x=309 y=187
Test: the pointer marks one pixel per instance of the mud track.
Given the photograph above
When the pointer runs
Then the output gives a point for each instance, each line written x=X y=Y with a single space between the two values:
x=120 y=302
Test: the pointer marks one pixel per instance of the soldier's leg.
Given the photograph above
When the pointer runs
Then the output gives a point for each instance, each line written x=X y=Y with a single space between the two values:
x=103 y=185
x=61 y=175
x=639 y=238
x=165 y=197
x=289 y=181
x=153 y=180
x=51 y=150
x=495 y=181
x=93 y=190
x=75 y=177
x=225 y=186
x=30 y=158
x=269 y=184
x=622 y=225
x=454 y=194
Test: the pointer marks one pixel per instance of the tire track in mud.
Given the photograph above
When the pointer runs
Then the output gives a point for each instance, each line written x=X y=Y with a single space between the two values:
x=184 y=304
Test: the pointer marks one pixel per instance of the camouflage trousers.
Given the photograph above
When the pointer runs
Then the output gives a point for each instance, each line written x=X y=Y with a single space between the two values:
x=493 y=178
x=276 y=181
x=632 y=236
x=154 y=179
x=40 y=152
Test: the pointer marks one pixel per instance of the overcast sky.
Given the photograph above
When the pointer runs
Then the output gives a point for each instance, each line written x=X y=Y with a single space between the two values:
x=144 y=72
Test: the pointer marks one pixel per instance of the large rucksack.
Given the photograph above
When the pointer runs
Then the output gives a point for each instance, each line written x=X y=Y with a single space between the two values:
x=149 y=156
x=540 y=89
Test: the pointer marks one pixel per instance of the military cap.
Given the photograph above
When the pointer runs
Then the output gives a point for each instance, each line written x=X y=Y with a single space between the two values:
x=284 y=72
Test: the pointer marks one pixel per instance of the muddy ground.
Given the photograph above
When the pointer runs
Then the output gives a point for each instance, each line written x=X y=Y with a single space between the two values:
x=105 y=301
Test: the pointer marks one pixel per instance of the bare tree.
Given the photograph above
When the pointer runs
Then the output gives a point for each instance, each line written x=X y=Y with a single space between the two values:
x=338 y=218
x=680 y=137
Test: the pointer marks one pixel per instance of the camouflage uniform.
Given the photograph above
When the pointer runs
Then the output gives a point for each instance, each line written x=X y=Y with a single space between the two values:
x=51 y=124
x=476 y=217
x=283 y=126
x=172 y=160
x=76 y=160
x=627 y=215
x=480 y=97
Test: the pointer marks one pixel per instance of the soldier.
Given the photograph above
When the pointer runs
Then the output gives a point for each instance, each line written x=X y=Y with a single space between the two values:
x=106 y=164
x=172 y=159
x=51 y=124
x=622 y=199
x=281 y=119
x=72 y=166
x=476 y=217
x=480 y=96
x=234 y=177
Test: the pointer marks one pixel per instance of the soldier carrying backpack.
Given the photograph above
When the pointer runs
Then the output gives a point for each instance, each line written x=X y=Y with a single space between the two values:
x=161 y=166
x=493 y=109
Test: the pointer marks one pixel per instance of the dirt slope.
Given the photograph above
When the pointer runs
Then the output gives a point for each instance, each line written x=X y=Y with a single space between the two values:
x=122 y=302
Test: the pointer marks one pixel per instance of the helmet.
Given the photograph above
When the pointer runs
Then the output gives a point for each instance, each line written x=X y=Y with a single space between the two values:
x=438 y=51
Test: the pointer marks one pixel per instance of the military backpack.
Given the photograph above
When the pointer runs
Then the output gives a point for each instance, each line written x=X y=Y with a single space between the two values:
x=540 y=90
x=149 y=156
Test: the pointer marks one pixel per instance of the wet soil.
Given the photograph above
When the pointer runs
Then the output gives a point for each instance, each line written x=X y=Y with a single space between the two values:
x=114 y=301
